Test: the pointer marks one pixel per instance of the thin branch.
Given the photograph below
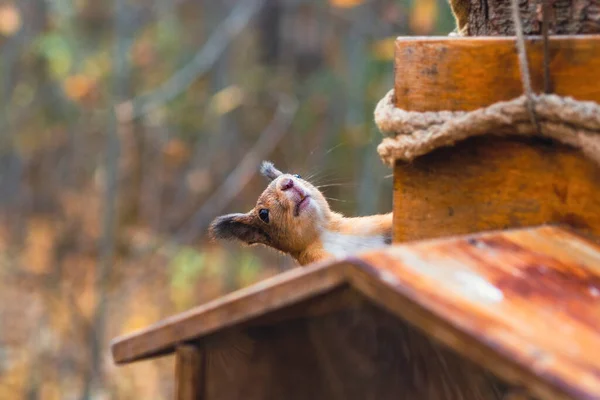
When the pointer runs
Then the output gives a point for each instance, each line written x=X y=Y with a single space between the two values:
x=95 y=377
x=204 y=59
x=105 y=259
x=246 y=169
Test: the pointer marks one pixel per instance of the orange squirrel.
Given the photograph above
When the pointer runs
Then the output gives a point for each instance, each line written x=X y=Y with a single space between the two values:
x=293 y=216
x=461 y=9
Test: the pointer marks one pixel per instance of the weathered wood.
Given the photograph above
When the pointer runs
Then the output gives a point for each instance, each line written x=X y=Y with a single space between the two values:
x=495 y=183
x=493 y=17
x=285 y=289
x=492 y=298
x=462 y=74
x=525 y=304
x=361 y=352
x=189 y=373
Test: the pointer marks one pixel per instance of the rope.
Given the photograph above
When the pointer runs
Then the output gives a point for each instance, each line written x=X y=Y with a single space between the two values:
x=412 y=134
x=545 y=29
x=524 y=64
x=568 y=121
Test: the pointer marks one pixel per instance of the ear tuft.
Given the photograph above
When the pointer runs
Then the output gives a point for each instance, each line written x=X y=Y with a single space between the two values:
x=220 y=228
x=239 y=227
x=268 y=169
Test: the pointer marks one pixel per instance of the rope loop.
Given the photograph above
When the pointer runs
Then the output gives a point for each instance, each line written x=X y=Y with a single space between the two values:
x=571 y=122
x=412 y=134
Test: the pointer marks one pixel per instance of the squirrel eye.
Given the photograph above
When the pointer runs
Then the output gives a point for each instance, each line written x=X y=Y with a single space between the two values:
x=297 y=176
x=264 y=215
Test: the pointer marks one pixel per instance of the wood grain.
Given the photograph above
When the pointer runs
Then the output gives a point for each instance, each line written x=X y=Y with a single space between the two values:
x=494 y=18
x=462 y=74
x=361 y=352
x=189 y=365
x=524 y=303
x=495 y=183
x=492 y=298
x=271 y=294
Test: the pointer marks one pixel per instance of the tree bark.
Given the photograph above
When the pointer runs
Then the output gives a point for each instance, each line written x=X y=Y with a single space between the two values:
x=567 y=17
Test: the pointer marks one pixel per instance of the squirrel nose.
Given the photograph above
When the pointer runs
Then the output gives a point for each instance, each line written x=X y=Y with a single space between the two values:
x=286 y=184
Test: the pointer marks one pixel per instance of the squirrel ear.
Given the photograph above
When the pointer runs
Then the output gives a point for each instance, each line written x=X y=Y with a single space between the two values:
x=268 y=169
x=238 y=226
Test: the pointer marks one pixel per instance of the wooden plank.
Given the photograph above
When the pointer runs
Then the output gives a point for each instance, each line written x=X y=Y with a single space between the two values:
x=524 y=303
x=360 y=352
x=189 y=365
x=448 y=73
x=495 y=183
x=492 y=298
x=283 y=290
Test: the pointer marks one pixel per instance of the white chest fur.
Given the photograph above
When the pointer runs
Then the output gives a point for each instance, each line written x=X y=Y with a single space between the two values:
x=340 y=245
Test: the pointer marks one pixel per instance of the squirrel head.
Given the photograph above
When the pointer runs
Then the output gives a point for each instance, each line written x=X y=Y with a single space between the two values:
x=289 y=215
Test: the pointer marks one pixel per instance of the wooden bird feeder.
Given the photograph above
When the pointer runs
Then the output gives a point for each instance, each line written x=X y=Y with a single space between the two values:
x=477 y=317
x=491 y=291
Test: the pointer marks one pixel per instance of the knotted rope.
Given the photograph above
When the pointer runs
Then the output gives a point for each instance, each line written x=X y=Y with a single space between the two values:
x=412 y=134
x=564 y=119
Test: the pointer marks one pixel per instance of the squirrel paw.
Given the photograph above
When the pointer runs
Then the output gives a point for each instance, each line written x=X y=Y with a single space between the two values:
x=460 y=32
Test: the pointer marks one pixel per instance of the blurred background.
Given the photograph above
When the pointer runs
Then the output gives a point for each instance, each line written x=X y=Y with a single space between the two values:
x=128 y=125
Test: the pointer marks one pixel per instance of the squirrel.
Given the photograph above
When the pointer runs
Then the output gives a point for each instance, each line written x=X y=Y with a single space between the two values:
x=293 y=216
x=460 y=9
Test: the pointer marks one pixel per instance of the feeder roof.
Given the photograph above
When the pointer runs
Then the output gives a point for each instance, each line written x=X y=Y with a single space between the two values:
x=523 y=303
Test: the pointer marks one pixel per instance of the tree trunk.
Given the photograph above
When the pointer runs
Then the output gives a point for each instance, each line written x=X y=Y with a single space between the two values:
x=567 y=17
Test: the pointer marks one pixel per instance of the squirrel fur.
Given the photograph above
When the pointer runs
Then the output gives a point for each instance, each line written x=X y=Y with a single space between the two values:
x=293 y=216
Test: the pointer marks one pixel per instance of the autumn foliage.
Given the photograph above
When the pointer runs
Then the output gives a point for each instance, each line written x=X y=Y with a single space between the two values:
x=122 y=119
